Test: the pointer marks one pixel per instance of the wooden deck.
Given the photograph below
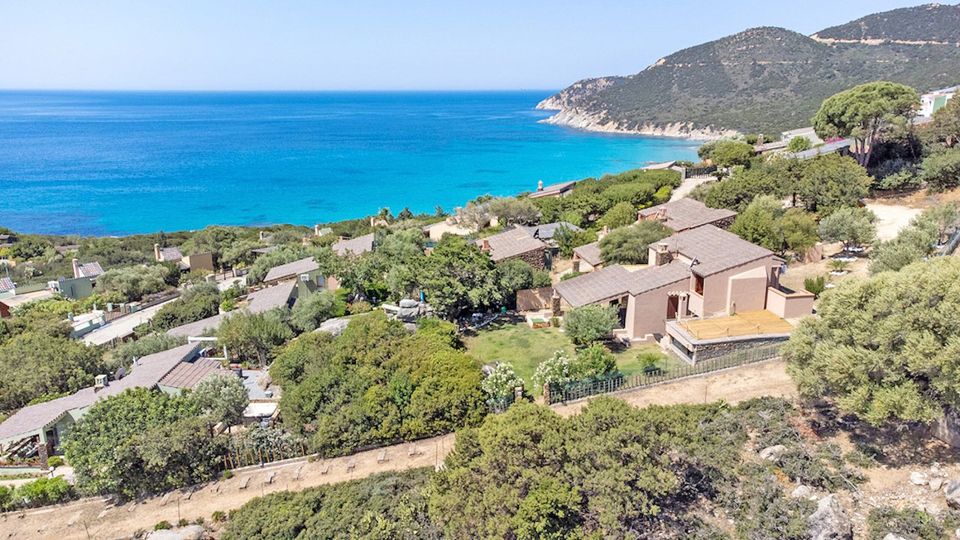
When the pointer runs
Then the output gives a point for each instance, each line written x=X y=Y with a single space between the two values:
x=749 y=323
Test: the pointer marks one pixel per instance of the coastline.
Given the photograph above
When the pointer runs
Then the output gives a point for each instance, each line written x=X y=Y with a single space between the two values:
x=586 y=121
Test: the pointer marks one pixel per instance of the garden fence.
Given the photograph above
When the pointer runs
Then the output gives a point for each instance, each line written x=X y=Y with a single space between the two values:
x=582 y=389
x=244 y=453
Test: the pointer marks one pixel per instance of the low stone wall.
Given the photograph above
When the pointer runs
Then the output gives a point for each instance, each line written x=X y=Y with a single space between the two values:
x=714 y=350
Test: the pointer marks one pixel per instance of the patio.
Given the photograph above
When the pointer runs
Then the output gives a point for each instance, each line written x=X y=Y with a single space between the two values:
x=749 y=323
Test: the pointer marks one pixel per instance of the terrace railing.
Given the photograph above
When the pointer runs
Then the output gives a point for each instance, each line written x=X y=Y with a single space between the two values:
x=583 y=389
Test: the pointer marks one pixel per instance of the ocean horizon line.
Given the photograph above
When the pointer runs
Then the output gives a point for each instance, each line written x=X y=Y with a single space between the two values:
x=282 y=91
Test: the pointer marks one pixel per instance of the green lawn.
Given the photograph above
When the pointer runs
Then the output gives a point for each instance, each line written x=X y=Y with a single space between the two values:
x=524 y=347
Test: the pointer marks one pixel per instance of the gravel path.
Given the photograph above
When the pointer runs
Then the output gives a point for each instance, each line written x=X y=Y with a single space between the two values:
x=96 y=518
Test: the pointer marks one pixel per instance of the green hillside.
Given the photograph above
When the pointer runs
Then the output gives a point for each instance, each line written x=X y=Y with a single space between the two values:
x=766 y=79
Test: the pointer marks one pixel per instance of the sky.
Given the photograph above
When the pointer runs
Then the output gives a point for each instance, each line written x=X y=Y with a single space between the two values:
x=369 y=44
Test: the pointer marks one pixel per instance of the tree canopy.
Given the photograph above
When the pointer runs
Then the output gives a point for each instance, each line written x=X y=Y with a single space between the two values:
x=142 y=442
x=885 y=348
x=377 y=383
x=630 y=245
x=590 y=323
x=866 y=113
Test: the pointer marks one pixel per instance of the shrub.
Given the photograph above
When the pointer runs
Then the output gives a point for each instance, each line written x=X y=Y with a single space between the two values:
x=44 y=491
x=228 y=474
x=501 y=382
x=594 y=362
x=587 y=324
x=218 y=517
x=649 y=362
x=55 y=461
x=183 y=522
x=815 y=285
x=799 y=144
x=162 y=526
x=554 y=371
x=909 y=523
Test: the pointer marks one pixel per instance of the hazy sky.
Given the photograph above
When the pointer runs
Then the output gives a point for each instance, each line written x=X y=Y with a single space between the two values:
x=361 y=44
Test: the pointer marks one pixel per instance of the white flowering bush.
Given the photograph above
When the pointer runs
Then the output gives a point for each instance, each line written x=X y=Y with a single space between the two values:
x=555 y=371
x=501 y=382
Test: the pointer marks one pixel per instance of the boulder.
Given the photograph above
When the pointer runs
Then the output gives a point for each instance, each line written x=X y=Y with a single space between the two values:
x=829 y=522
x=891 y=536
x=773 y=453
x=409 y=303
x=334 y=327
x=918 y=478
x=936 y=484
x=801 y=492
x=952 y=493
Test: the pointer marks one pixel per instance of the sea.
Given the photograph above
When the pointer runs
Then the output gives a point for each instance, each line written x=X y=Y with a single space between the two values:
x=114 y=163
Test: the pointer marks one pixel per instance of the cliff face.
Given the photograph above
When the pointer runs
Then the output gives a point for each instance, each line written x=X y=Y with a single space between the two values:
x=759 y=80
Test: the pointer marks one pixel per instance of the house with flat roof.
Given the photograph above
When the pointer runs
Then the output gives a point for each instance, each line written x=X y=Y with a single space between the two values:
x=704 y=273
x=39 y=429
x=516 y=243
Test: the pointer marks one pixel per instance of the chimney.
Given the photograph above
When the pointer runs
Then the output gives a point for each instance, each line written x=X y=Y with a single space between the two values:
x=316 y=230
x=485 y=245
x=156 y=252
x=263 y=234
x=99 y=382
x=540 y=185
x=658 y=254
x=76 y=268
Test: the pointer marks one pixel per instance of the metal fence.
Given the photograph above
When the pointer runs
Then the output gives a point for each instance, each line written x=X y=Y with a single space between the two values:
x=582 y=389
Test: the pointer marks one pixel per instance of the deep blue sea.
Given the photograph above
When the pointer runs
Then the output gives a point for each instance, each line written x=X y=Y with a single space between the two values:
x=107 y=163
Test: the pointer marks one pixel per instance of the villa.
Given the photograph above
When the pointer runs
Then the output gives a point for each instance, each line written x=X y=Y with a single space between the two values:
x=517 y=243
x=678 y=216
x=189 y=263
x=39 y=429
x=701 y=274
x=281 y=295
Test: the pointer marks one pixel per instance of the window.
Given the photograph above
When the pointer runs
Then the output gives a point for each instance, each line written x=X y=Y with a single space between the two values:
x=698 y=284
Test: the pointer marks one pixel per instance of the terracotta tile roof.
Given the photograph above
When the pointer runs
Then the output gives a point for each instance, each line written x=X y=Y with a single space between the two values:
x=714 y=249
x=188 y=374
x=292 y=269
x=355 y=246
x=511 y=243
x=684 y=214
x=590 y=253
x=145 y=373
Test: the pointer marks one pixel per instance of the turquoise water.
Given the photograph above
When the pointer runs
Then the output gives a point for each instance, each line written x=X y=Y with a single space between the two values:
x=119 y=163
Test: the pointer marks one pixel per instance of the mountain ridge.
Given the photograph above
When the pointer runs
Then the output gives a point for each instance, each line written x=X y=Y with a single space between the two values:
x=763 y=79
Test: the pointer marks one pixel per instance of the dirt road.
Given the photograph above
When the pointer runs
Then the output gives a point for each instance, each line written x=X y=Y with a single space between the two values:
x=95 y=518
